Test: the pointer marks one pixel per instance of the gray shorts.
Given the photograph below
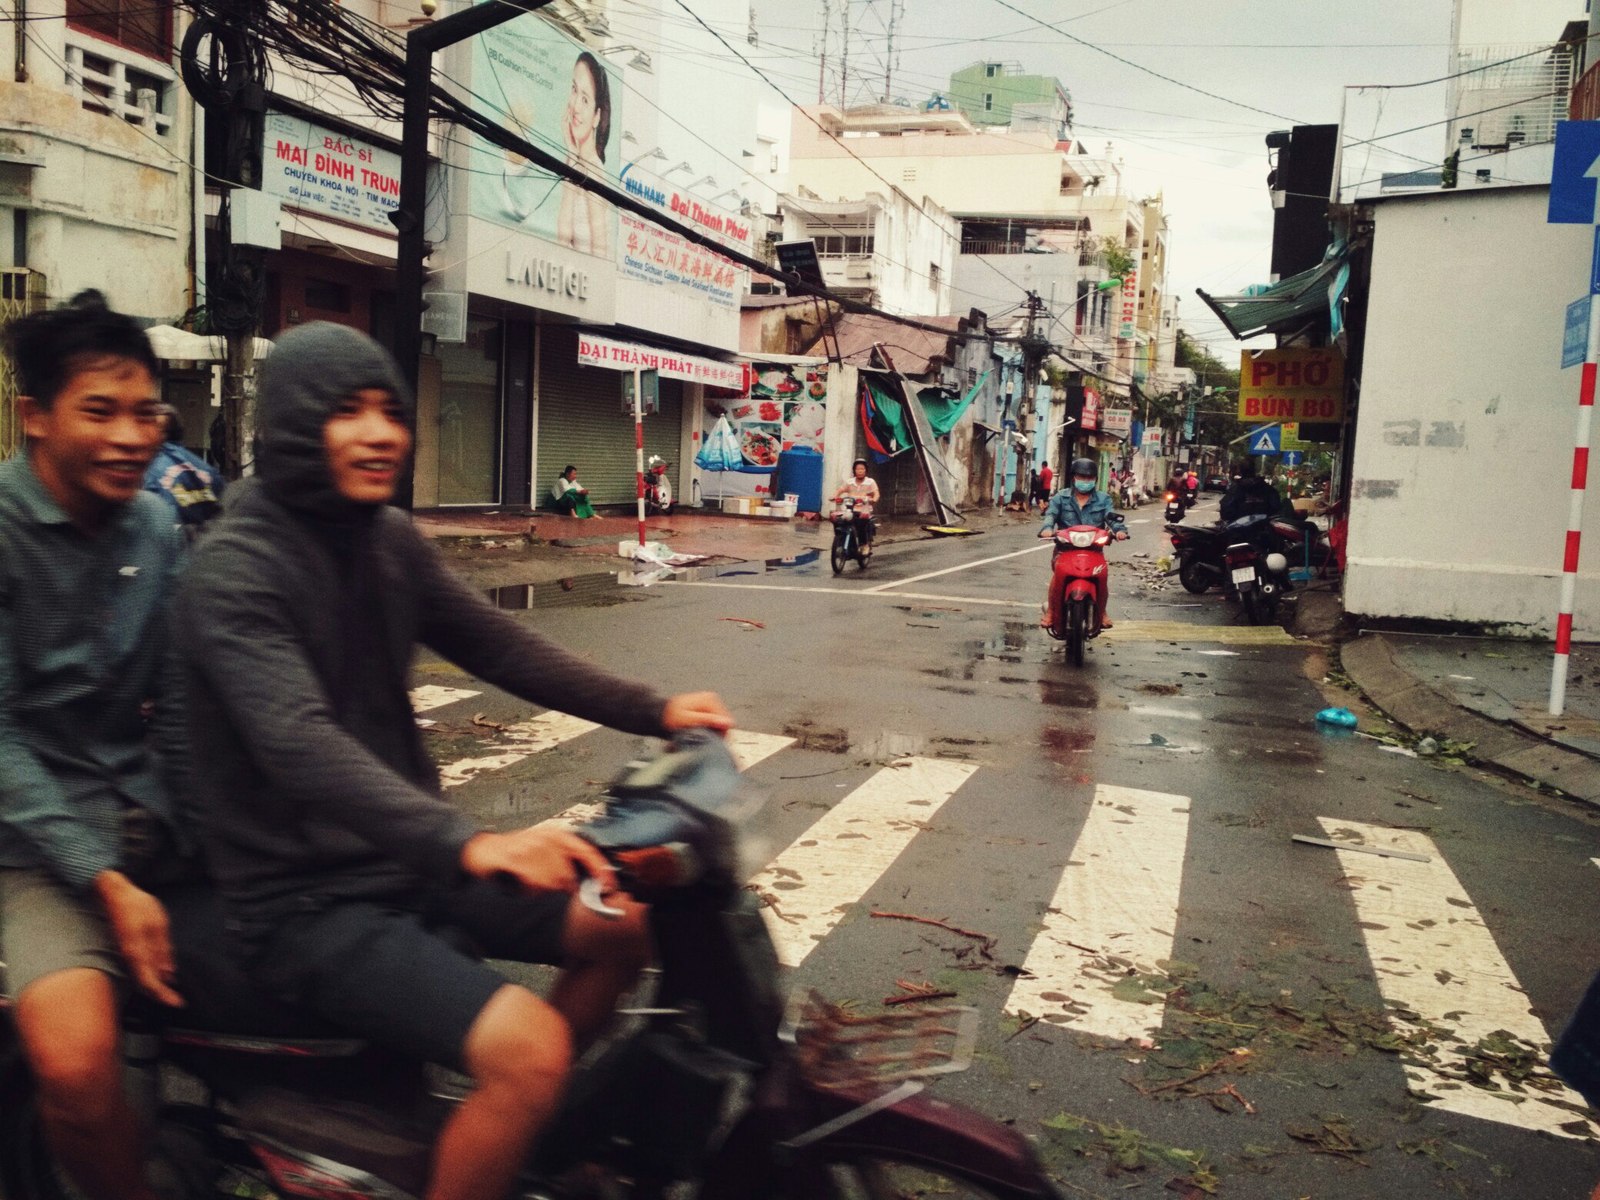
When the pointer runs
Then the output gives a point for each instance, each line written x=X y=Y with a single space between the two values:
x=45 y=927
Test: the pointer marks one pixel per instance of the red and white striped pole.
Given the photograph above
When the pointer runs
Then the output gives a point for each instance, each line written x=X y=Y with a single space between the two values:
x=638 y=445
x=1580 y=480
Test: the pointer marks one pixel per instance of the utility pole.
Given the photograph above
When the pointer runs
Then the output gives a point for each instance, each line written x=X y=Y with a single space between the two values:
x=844 y=52
x=896 y=11
x=225 y=70
x=1034 y=346
x=410 y=218
x=822 y=54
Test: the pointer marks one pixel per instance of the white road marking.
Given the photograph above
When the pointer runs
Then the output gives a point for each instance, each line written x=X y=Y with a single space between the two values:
x=982 y=562
x=848 y=591
x=1434 y=956
x=748 y=746
x=834 y=863
x=431 y=695
x=1118 y=896
x=1157 y=710
x=517 y=742
x=1595 y=861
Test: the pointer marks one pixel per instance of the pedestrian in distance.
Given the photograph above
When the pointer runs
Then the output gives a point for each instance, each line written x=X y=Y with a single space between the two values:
x=188 y=484
x=343 y=867
x=569 y=497
x=92 y=757
x=1043 y=483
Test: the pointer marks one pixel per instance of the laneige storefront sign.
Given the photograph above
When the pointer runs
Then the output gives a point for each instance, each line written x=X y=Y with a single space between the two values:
x=530 y=271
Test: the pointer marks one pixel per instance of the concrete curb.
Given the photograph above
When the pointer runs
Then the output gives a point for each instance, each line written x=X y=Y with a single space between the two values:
x=1372 y=666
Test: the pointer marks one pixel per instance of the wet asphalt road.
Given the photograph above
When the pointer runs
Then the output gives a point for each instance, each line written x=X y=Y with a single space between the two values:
x=1169 y=774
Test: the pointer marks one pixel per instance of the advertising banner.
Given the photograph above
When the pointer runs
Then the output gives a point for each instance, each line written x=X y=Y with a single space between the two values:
x=1117 y=420
x=1291 y=385
x=1091 y=409
x=530 y=77
x=625 y=356
x=785 y=409
x=316 y=170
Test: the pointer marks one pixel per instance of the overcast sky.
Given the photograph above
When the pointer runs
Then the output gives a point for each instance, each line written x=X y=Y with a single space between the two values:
x=1291 y=58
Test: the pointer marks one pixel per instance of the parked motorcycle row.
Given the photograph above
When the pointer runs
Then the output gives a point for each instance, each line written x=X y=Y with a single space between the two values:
x=1255 y=560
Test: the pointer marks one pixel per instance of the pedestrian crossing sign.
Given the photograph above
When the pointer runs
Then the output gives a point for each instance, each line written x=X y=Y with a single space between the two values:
x=1265 y=440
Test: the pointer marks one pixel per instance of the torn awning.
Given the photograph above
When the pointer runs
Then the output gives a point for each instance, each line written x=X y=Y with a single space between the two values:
x=1284 y=306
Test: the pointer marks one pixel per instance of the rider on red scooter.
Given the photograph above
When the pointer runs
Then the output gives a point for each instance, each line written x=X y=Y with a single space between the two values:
x=1081 y=504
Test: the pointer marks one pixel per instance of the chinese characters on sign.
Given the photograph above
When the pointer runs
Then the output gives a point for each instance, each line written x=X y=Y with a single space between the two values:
x=319 y=171
x=652 y=253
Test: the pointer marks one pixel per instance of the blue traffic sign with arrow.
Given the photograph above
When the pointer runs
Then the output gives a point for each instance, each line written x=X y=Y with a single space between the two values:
x=1293 y=458
x=1575 y=175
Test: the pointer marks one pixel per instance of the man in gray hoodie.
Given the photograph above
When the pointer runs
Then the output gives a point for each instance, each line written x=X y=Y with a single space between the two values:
x=321 y=814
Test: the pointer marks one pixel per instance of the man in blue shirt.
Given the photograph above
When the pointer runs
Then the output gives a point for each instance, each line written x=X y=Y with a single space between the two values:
x=91 y=738
x=1081 y=504
x=185 y=481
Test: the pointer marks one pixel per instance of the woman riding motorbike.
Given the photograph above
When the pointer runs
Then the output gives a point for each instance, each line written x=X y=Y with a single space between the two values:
x=1081 y=504
x=864 y=492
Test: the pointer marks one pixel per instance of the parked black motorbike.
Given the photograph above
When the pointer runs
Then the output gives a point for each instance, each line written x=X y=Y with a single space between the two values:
x=1198 y=551
x=718 y=1089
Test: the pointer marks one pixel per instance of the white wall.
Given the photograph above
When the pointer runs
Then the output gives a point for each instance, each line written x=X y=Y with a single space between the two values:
x=1464 y=439
x=1481 y=22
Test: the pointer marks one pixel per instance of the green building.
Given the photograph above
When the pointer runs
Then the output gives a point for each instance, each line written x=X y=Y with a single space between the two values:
x=996 y=93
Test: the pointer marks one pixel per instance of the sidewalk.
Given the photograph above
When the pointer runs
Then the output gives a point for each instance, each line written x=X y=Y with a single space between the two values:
x=547 y=546
x=1493 y=692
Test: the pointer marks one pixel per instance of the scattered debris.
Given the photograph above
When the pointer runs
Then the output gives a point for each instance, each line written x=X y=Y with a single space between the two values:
x=745 y=622
x=1338 y=718
x=985 y=941
x=1334 y=1136
x=483 y=722
x=1127 y=1149
x=1381 y=851
x=914 y=990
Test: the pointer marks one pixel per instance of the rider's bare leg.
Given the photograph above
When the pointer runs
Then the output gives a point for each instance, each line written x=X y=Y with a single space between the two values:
x=70 y=1032
x=519 y=1052
x=1102 y=593
x=602 y=958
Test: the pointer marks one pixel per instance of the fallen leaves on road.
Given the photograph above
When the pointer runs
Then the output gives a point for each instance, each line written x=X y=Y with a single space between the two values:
x=1127 y=1150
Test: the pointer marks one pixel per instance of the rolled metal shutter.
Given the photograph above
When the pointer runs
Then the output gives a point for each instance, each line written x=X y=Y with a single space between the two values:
x=581 y=422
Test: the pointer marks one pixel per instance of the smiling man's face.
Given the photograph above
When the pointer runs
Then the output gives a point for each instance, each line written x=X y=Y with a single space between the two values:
x=367 y=442
x=91 y=445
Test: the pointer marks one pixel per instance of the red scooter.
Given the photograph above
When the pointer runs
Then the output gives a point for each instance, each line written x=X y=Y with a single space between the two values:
x=1077 y=571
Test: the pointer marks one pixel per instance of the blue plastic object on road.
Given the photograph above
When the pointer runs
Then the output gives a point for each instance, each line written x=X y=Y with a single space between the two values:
x=1341 y=718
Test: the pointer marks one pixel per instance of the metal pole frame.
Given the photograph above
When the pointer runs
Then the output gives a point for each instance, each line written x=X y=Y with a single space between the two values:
x=411 y=217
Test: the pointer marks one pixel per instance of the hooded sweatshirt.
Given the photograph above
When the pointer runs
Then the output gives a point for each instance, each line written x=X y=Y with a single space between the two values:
x=302 y=610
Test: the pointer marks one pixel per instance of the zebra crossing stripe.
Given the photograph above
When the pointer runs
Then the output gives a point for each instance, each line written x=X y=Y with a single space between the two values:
x=431 y=695
x=1434 y=956
x=1115 y=906
x=517 y=742
x=833 y=864
x=748 y=746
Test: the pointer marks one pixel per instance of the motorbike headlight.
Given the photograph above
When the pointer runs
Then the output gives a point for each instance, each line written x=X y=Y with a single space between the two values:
x=1081 y=539
x=1277 y=562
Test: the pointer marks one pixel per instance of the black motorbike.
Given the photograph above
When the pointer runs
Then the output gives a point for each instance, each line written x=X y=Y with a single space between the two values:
x=1198 y=551
x=1177 y=503
x=717 y=1089
x=851 y=537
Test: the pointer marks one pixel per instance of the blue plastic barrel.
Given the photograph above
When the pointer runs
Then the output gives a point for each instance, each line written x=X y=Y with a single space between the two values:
x=800 y=472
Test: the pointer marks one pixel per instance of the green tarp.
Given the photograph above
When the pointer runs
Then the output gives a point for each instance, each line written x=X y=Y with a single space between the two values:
x=885 y=418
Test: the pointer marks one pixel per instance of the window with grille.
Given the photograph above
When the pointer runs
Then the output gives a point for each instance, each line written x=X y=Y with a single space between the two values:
x=138 y=25
x=110 y=79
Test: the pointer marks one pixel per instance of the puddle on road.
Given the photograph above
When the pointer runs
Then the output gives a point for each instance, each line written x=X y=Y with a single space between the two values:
x=1061 y=744
x=734 y=570
x=1068 y=694
x=593 y=590
x=600 y=588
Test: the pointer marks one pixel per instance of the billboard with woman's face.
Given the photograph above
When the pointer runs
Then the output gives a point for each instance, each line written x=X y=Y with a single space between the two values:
x=537 y=82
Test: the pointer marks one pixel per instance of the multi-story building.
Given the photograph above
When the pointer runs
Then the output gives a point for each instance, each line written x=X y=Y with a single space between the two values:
x=96 y=186
x=882 y=249
x=1002 y=94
